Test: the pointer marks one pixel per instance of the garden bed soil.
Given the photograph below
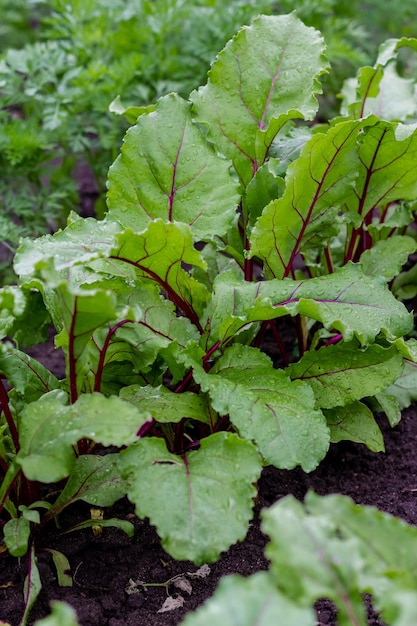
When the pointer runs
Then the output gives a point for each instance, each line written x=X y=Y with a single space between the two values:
x=102 y=566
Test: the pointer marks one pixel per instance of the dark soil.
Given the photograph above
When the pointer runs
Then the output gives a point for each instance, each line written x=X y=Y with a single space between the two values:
x=102 y=566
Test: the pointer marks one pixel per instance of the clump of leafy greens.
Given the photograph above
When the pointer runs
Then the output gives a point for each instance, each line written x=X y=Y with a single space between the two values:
x=227 y=215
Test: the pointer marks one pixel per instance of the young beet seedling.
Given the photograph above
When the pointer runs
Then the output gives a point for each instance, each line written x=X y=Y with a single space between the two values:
x=225 y=215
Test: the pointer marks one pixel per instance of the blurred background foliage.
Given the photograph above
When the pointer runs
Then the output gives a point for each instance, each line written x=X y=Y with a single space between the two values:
x=62 y=62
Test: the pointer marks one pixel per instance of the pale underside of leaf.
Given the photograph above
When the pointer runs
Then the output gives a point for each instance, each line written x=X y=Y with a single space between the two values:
x=267 y=408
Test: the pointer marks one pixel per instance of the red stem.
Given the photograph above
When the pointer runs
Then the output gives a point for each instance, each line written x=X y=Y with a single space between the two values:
x=4 y=404
x=103 y=351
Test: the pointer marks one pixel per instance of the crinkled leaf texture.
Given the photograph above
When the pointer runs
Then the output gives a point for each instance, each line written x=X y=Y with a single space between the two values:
x=266 y=407
x=342 y=373
x=49 y=429
x=332 y=548
x=254 y=87
x=348 y=301
x=253 y=601
x=158 y=253
x=166 y=170
x=328 y=547
x=200 y=502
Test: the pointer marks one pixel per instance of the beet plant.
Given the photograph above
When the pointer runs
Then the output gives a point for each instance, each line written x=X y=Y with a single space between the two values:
x=228 y=214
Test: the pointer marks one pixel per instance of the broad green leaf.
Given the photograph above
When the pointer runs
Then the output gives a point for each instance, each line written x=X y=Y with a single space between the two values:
x=387 y=257
x=167 y=406
x=81 y=313
x=29 y=378
x=155 y=326
x=94 y=479
x=312 y=558
x=347 y=301
x=266 y=75
x=371 y=92
x=166 y=170
x=158 y=254
x=81 y=241
x=386 y=167
x=317 y=184
x=355 y=422
x=253 y=601
x=388 y=404
x=332 y=548
x=49 y=430
x=147 y=327
x=16 y=534
x=61 y=615
x=342 y=373
x=266 y=407
x=200 y=502
x=387 y=544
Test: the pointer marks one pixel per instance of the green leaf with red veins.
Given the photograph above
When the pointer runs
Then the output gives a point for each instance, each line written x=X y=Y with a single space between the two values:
x=158 y=254
x=166 y=170
x=200 y=502
x=347 y=301
x=27 y=376
x=49 y=430
x=81 y=314
x=317 y=185
x=386 y=168
x=266 y=407
x=255 y=86
x=146 y=326
x=94 y=479
x=342 y=373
